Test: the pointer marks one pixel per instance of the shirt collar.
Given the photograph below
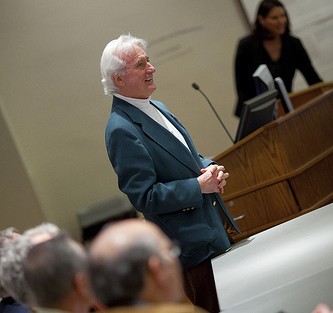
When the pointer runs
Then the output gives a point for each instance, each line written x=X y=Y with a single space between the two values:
x=134 y=101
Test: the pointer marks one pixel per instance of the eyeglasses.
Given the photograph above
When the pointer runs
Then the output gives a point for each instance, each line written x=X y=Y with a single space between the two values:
x=175 y=249
x=170 y=253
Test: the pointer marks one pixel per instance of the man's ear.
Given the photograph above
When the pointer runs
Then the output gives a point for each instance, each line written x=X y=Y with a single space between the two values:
x=156 y=270
x=82 y=285
x=118 y=80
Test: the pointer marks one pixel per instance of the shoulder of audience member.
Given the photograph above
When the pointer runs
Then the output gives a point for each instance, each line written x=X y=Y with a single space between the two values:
x=158 y=308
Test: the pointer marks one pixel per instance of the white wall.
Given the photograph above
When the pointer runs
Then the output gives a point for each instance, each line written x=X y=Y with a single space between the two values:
x=52 y=102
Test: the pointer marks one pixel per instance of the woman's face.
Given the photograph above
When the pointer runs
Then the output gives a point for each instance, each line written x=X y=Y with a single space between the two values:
x=275 y=22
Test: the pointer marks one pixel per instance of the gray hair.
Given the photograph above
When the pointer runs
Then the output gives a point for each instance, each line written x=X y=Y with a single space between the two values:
x=50 y=267
x=5 y=235
x=119 y=279
x=14 y=253
x=111 y=61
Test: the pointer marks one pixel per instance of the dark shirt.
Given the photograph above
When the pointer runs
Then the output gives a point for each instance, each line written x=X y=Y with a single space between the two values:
x=9 y=305
x=251 y=53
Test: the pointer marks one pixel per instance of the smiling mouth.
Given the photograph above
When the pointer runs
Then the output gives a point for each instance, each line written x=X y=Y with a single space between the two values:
x=149 y=79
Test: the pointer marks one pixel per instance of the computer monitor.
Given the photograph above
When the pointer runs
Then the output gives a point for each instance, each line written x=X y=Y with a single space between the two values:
x=263 y=79
x=283 y=95
x=256 y=112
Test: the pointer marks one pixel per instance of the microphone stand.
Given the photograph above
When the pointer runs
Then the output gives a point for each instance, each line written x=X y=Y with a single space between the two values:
x=196 y=87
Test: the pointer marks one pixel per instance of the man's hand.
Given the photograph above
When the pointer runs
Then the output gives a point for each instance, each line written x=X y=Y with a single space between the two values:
x=213 y=179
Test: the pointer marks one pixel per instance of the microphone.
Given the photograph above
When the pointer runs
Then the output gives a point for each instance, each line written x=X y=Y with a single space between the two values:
x=196 y=87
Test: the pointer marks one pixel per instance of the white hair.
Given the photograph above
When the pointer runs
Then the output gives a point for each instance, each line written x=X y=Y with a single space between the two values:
x=111 y=60
x=14 y=252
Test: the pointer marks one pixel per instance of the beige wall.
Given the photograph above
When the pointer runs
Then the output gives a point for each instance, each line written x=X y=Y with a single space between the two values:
x=17 y=191
x=53 y=112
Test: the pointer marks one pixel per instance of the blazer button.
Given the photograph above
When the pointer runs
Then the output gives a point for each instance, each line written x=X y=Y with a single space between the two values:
x=214 y=202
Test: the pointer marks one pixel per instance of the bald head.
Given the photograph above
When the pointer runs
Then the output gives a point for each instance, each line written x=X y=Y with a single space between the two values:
x=136 y=256
x=120 y=236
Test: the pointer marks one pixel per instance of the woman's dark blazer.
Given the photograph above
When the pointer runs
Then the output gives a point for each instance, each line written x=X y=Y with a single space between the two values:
x=250 y=53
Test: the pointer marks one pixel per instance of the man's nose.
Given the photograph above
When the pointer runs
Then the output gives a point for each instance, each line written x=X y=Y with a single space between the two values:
x=150 y=68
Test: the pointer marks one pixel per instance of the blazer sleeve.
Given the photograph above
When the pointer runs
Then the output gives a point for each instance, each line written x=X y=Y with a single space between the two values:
x=243 y=69
x=304 y=64
x=152 y=184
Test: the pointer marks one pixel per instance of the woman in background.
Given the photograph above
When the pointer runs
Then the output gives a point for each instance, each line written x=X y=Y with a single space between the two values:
x=270 y=43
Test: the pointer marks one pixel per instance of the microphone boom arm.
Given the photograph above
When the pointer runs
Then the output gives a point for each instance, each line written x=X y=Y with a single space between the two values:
x=195 y=86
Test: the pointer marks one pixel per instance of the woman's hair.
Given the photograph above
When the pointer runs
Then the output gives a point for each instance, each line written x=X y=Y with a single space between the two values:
x=111 y=60
x=264 y=8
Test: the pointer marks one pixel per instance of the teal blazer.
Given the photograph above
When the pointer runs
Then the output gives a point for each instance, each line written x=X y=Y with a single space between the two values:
x=159 y=176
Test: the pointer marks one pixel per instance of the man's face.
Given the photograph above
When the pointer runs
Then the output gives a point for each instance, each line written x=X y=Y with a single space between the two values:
x=170 y=271
x=137 y=82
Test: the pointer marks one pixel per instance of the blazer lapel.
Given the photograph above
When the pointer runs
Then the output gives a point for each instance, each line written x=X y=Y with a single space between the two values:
x=161 y=135
x=182 y=130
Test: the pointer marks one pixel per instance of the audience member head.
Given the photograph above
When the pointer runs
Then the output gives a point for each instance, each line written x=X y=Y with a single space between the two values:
x=15 y=251
x=271 y=20
x=322 y=308
x=112 y=62
x=6 y=235
x=56 y=272
x=132 y=261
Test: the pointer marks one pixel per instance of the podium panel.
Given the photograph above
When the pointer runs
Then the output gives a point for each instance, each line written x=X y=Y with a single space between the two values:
x=263 y=206
x=310 y=186
x=282 y=170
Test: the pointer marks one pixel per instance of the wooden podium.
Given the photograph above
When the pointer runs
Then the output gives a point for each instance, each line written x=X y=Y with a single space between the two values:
x=298 y=98
x=284 y=169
